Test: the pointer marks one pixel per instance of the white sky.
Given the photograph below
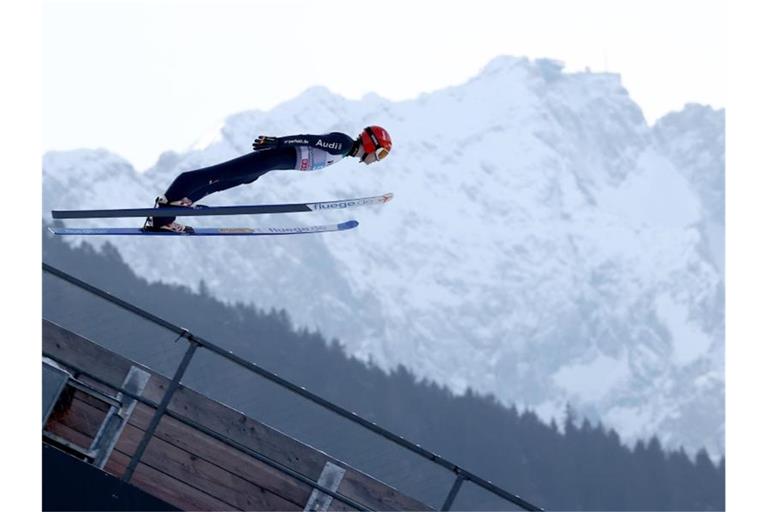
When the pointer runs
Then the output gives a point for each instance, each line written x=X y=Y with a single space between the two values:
x=141 y=77
x=684 y=65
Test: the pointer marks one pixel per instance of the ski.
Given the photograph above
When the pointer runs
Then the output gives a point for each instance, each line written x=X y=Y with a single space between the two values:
x=297 y=230
x=181 y=211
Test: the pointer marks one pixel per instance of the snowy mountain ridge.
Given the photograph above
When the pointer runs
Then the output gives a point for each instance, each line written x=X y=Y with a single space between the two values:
x=544 y=245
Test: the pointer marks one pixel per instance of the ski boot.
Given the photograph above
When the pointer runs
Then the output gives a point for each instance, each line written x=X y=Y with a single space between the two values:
x=168 y=223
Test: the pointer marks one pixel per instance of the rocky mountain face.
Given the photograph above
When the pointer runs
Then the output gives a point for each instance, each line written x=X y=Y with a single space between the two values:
x=545 y=244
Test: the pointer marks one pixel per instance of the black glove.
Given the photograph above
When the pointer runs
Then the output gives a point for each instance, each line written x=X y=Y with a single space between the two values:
x=264 y=142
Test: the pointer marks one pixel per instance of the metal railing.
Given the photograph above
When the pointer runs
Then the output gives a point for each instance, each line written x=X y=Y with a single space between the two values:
x=196 y=342
x=212 y=433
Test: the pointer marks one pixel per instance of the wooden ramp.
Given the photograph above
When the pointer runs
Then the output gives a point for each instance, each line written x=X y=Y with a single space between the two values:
x=201 y=455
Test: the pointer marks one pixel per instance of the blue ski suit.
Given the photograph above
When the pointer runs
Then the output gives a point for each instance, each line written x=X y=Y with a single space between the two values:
x=299 y=152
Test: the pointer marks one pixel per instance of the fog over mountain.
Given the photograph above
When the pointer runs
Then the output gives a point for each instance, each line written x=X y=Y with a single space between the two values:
x=545 y=244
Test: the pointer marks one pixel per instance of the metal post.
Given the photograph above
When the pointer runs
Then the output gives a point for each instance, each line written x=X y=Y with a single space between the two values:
x=454 y=491
x=117 y=417
x=162 y=406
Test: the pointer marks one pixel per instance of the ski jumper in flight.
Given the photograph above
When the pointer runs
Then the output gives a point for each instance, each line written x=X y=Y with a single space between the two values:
x=299 y=152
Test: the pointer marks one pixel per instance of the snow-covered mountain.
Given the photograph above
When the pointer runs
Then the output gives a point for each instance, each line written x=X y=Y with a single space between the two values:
x=545 y=244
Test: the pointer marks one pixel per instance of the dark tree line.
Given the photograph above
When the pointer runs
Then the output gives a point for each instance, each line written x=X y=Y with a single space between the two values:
x=580 y=467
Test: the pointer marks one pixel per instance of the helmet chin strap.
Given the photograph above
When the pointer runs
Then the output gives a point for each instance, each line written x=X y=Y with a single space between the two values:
x=358 y=151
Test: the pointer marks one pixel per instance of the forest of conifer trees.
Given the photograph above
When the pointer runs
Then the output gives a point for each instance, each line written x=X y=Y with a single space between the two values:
x=577 y=466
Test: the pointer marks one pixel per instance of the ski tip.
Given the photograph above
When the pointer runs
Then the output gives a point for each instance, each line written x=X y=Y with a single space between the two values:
x=350 y=224
x=388 y=196
x=59 y=214
x=52 y=230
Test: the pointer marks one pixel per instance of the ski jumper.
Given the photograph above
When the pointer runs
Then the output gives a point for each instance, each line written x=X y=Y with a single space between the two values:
x=299 y=152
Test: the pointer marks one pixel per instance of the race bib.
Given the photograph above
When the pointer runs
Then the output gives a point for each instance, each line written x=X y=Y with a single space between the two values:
x=312 y=159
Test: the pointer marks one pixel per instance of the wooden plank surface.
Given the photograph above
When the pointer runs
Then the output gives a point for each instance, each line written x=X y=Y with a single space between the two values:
x=176 y=463
x=340 y=506
x=286 y=450
x=204 y=475
x=224 y=456
x=248 y=432
x=91 y=400
x=69 y=433
x=73 y=349
x=375 y=494
x=70 y=348
x=80 y=416
x=165 y=487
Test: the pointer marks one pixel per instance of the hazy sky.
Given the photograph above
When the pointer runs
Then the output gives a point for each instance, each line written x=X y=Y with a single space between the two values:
x=141 y=77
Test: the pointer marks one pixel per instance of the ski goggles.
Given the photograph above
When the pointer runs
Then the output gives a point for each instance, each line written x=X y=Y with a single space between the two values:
x=381 y=153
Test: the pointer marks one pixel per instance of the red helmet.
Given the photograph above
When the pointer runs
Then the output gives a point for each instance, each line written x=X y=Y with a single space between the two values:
x=375 y=140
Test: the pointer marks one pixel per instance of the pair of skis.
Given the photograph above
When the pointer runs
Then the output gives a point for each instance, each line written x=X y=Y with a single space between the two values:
x=179 y=211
